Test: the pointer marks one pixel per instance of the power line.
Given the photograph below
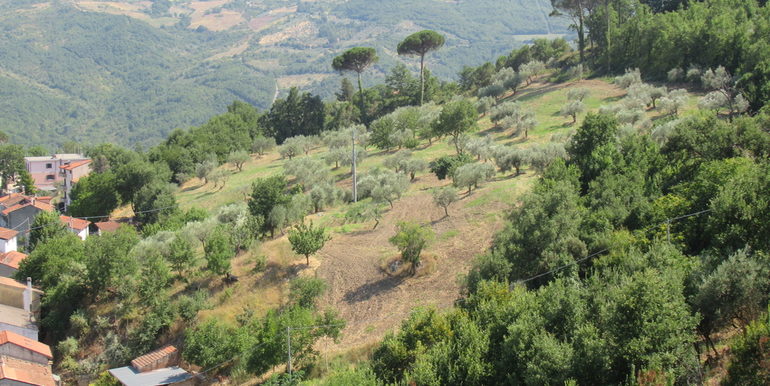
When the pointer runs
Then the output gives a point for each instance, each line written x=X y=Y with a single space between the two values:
x=105 y=216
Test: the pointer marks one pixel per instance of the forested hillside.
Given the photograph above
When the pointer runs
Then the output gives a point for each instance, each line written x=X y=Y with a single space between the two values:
x=130 y=72
x=560 y=215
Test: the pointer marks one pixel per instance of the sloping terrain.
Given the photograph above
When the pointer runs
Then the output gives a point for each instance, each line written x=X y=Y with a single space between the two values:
x=129 y=72
x=357 y=263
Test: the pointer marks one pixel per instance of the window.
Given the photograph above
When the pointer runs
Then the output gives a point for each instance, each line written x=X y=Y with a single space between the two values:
x=50 y=177
x=49 y=166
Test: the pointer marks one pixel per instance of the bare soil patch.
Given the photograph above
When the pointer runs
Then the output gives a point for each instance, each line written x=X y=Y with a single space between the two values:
x=374 y=301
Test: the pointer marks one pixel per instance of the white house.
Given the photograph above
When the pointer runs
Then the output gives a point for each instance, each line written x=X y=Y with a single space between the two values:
x=8 y=240
x=76 y=225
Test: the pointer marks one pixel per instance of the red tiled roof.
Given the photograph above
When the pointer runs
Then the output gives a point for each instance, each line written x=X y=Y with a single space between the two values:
x=7 y=234
x=75 y=223
x=44 y=199
x=25 y=372
x=108 y=226
x=12 y=259
x=153 y=357
x=43 y=206
x=26 y=343
x=75 y=165
x=39 y=205
x=14 y=208
x=12 y=199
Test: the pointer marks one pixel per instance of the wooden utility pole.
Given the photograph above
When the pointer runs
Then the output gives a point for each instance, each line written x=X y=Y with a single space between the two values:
x=355 y=182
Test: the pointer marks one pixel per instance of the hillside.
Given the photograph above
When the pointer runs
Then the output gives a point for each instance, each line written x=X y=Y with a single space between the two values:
x=357 y=262
x=130 y=72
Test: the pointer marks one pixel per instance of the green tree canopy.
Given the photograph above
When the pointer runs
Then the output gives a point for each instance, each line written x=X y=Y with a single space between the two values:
x=410 y=239
x=457 y=117
x=307 y=239
x=420 y=43
x=356 y=59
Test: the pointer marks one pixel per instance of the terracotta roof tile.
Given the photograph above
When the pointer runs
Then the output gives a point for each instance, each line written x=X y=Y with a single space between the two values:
x=7 y=234
x=153 y=357
x=12 y=259
x=14 y=208
x=44 y=199
x=37 y=204
x=75 y=223
x=12 y=199
x=108 y=226
x=75 y=164
x=25 y=372
x=24 y=342
x=43 y=206
x=8 y=282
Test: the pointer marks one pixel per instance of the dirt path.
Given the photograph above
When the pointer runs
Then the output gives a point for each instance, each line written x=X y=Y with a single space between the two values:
x=373 y=302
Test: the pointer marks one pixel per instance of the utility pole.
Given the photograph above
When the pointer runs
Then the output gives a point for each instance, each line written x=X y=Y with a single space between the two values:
x=288 y=346
x=355 y=183
x=608 y=37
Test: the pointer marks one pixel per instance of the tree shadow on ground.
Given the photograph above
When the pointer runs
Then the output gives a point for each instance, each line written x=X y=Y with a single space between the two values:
x=371 y=289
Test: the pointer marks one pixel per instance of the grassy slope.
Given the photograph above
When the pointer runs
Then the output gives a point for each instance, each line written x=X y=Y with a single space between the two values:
x=352 y=263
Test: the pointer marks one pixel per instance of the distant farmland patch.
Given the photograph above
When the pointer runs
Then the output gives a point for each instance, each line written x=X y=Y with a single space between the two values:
x=221 y=21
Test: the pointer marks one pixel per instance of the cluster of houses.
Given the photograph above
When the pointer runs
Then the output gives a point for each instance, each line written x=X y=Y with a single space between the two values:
x=24 y=360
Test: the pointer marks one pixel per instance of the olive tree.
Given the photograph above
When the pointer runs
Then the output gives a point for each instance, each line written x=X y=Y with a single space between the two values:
x=262 y=145
x=531 y=70
x=484 y=104
x=325 y=195
x=443 y=197
x=471 y=175
x=509 y=158
x=383 y=185
x=503 y=111
x=572 y=109
x=238 y=158
x=725 y=93
x=632 y=76
x=307 y=171
x=292 y=147
x=480 y=147
x=203 y=169
x=577 y=94
x=673 y=102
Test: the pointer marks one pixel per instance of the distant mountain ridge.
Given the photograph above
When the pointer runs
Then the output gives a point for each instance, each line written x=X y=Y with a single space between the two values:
x=130 y=72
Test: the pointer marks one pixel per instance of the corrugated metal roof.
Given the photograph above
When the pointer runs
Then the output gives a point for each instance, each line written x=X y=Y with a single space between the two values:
x=129 y=376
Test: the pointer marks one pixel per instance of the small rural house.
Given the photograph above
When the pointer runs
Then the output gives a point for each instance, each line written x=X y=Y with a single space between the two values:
x=18 y=372
x=106 y=226
x=18 y=212
x=159 y=367
x=10 y=258
x=76 y=225
x=20 y=347
x=8 y=240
